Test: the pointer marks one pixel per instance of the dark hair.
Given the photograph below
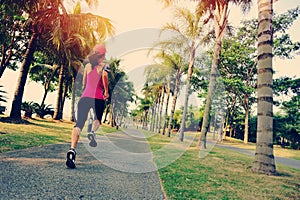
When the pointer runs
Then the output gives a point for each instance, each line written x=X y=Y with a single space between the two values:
x=94 y=59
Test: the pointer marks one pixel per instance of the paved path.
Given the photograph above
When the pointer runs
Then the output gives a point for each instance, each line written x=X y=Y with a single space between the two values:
x=279 y=160
x=40 y=173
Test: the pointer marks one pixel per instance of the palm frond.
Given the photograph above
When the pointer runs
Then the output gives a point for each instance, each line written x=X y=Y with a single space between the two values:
x=3 y=98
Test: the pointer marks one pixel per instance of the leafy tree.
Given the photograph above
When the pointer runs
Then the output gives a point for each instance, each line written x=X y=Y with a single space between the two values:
x=194 y=116
x=13 y=36
x=45 y=74
x=238 y=65
x=286 y=86
x=191 y=34
x=176 y=122
x=288 y=126
x=218 y=11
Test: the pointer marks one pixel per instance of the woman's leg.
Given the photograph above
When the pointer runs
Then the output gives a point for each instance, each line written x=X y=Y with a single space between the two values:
x=75 y=137
x=98 y=109
x=83 y=109
x=96 y=125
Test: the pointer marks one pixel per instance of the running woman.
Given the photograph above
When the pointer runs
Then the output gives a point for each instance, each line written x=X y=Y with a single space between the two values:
x=95 y=83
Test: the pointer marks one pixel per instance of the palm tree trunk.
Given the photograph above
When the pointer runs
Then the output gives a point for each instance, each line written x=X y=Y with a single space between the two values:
x=58 y=107
x=264 y=157
x=167 y=105
x=220 y=20
x=15 y=112
x=152 y=124
x=161 y=108
x=145 y=126
x=176 y=89
x=157 y=114
x=187 y=92
x=211 y=87
x=2 y=68
x=144 y=120
x=112 y=117
x=72 y=118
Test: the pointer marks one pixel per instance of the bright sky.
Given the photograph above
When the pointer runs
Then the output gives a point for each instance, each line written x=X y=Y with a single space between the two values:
x=128 y=16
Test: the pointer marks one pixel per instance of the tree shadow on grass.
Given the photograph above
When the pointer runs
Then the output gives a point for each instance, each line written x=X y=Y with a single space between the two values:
x=14 y=121
x=283 y=174
x=26 y=122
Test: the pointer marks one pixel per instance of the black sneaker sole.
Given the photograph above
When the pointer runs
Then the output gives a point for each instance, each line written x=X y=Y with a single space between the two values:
x=93 y=142
x=70 y=163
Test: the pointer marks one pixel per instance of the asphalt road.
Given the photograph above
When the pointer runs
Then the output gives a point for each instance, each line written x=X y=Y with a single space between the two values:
x=40 y=173
x=278 y=160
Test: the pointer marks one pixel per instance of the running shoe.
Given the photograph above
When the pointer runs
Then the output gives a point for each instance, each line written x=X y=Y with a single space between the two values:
x=71 y=156
x=91 y=136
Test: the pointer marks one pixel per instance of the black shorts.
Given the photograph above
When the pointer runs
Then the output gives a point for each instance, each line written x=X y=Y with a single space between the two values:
x=84 y=106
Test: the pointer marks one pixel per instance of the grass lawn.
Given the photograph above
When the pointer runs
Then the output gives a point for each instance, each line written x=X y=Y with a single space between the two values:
x=223 y=174
x=37 y=132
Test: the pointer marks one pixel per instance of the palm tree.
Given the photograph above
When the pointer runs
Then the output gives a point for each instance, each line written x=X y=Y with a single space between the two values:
x=219 y=11
x=74 y=43
x=114 y=77
x=43 y=16
x=2 y=95
x=191 y=35
x=117 y=91
x=152 y=92
x=40 y=18
x=3 y=98
x=160 y=74
x=177 y=63
x=29 y=108
x=264 y=156
x=144 y=111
